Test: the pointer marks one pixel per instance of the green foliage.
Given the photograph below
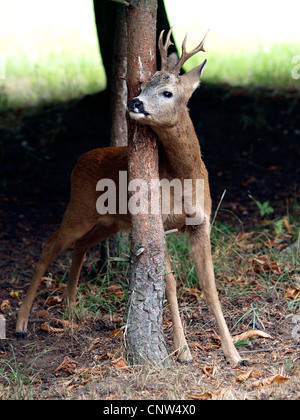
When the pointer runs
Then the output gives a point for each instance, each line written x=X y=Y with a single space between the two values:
x=264 y=208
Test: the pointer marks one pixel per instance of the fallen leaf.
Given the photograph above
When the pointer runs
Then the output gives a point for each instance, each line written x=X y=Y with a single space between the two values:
x=50 y=329
x=104 y=356
x=251 y=333
x=15 y=294
x=257 y=373
x=276 y=379
x=96 y=342
x=5 y=304
x=204 y=396
x=54 y=300
x=208 y=371
x=293 y=293
x=220 y=392
x=97 y=371
x=120 y=364
x=57 y=325
x=244 y=376
x=194 y=293
x=42 y=314
x=116 y=333
x=286 y=223
x=263 y=264
x=68 y=365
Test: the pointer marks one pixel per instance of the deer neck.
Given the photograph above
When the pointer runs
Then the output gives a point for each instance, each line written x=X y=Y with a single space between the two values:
x=181 y=150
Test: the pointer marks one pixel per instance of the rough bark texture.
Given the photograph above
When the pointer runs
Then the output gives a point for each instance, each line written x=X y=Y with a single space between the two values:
x=112 y=36
x=145 y=342
x=106 y=18
x=119 y=86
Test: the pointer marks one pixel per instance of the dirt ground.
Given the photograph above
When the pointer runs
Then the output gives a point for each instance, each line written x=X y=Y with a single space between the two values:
x=250 y=144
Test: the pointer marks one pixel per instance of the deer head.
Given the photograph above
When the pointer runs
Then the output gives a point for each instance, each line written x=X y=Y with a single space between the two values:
x=163 y=97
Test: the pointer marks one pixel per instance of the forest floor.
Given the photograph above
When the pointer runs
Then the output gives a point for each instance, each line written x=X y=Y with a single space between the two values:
x=250 y=144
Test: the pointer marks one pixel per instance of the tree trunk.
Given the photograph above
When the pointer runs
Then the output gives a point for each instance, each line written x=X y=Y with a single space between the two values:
x=144 y=338
x=106 y=18
x=119 y=87
x=114 y=52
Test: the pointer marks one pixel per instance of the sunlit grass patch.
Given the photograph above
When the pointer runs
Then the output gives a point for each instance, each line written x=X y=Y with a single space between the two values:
x=55 y=78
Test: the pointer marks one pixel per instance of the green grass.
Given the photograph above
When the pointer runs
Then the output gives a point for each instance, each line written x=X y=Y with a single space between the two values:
x=49 y=58
x=51 y=79
x=267 y=66
x=16 y=380
x=49 y=54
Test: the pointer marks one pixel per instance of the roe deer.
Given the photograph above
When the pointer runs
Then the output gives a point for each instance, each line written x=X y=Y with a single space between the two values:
x=162 y=104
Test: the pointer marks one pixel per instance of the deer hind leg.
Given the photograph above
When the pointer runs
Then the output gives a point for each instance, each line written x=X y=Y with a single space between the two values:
x=201 y=252
x=62 y=239
x=180 y=345
x=98 y=234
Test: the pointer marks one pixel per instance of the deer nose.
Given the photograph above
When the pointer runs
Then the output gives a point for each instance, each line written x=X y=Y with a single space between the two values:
x=136 y=106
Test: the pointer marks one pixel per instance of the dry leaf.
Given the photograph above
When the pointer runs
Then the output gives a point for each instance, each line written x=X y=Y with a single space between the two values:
x=116 y=333
x=208 y=371
x=58 y=325
x=120 y=364
x=49 y=328
x=244 y=376
x=286 y=223
x=68 y=365
x=251 y=333
x=15 y=294
x=204 y=396
x=97 y=371
x=257 y=373
x=5 y=304
x=263 y=264
x=104 y=356
x=195 y=294
x=96 y=342
x=293 y=293
x=42 y=314
x=220 y=392
x=54 y=300
x=276 y=379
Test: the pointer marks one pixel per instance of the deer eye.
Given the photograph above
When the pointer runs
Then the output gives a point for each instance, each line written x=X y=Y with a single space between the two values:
x=167 y=94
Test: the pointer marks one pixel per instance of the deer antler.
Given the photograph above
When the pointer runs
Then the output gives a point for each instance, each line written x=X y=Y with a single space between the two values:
x=163 y=49
x=187 y=55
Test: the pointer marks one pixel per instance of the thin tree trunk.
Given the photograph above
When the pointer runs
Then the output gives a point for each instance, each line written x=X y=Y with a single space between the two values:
x=117 y=97
x=144 y=338
x=119 y=86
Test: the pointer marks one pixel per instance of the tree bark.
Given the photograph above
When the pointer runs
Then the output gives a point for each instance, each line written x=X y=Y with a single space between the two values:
x=112 y=36
x=106 y=20
x=119 y=87
x=144 y=338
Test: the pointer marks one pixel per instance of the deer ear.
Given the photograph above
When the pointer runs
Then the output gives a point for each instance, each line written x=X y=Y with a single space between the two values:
x=192 y=78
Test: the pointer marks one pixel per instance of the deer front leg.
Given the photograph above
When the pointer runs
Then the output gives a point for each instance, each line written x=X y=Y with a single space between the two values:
x=180 y=345
x=201 y=252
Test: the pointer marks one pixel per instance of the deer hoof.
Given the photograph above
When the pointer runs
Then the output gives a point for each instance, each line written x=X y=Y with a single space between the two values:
x=186 y=362
x=21 y=335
